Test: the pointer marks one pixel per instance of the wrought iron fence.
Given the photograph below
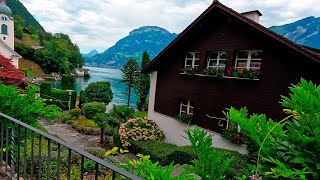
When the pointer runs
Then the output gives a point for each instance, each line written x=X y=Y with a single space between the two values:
x=29 y=153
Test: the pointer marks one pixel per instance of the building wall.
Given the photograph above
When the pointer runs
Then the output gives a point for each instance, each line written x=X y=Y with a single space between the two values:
x=8 y=54
x=8 y=38
x=281 y=66
x=175 y=131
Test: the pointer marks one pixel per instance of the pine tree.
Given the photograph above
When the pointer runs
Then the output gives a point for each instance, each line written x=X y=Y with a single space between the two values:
x=130 y=77
x=144 y=84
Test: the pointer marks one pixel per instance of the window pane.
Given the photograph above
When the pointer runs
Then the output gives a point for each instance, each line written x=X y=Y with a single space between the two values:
x=191 y=111
x=196 y=63
x=223 y=55
x=197 y=54
x=222 y=63
x=242 y=64
x=190 y=55
x=184 y=102
x=243 y=54
x=184 y=109
x=212 y=63
x=213 y=55
x=256 y=55
x=255 y=64
x=189 y=63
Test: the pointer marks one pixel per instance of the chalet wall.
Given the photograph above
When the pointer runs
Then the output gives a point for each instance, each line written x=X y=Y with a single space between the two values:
x=281 y=67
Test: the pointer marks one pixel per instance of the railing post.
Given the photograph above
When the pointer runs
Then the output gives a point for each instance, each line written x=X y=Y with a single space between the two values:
x=12 y=151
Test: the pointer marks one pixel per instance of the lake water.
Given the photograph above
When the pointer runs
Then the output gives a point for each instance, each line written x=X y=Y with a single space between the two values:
x=104 y=74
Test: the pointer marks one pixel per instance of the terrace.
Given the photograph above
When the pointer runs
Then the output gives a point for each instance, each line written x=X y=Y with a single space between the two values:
x=27 y=153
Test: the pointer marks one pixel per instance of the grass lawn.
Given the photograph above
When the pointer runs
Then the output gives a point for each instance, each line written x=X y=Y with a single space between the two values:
x=141 y=114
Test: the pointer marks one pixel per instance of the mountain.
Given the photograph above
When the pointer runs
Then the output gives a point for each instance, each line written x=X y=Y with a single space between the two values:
x=90 y=54
x=305 y=31
x=18 y=9
x=150 y=38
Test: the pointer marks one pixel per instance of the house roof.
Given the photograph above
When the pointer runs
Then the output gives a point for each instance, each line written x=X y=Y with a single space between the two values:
x=14 y=54
x=309 y=52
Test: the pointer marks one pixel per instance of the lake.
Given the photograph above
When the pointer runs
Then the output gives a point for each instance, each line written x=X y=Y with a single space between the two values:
x=105 y=74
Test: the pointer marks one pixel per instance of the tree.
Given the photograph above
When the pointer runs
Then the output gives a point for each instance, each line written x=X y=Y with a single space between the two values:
x=130 y=77
x=9 y=74
x=98 y=92
x=144 y=84
x=67 y=82
x=104 y=120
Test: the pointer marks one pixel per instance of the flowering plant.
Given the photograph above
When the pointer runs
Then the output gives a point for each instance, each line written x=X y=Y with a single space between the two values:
x=234 y=136
x=139 y=129
x=190 y=70
x=218 y=72
x=243 y=73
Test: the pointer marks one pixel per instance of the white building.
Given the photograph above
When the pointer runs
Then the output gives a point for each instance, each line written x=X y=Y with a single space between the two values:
x=7 y=34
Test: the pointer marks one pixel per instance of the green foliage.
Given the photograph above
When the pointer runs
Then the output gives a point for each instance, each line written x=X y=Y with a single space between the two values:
x=28 y=73
x=51 y=112
x=141 y=114
x=116 y=151
x=117 y=140
x=25 y=51
x=96 y=151
x=45 y=88
x=75 y=113
x=98 y=92
x=143 y=84
x=233 y=135
x=164 y=153
x=67 y=82
x=105 y=119
x=122 y=112
x=209 y=163
x=184 y=118
x=130 y=77
x=145 y=169
x=60 y=98
x=91 y=109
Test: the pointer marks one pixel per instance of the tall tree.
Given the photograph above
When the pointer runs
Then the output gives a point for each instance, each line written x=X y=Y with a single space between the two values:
x=130 y=77
x=144 y=84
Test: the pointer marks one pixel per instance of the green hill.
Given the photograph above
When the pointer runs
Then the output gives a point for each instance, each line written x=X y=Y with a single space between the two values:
x=18 y=9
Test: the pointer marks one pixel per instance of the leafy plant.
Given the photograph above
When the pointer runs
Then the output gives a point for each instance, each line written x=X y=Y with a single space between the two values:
x=209 y=163
x=93 y=108
x=184 y=118
x=50 y=112
x=122 y=112
x=75 y=113
x=116 y=151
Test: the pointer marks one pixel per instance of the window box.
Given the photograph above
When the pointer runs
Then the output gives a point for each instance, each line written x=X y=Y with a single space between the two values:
x=189 y=70
x=244 y=73
x=216 y=72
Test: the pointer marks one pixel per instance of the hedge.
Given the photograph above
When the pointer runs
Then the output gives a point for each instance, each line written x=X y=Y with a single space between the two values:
x=164 y=153
x=89 y=110
x=67 y=82
x=57 y=97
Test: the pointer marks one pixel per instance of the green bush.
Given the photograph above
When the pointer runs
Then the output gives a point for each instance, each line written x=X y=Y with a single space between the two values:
x=67 y=82
x=98 y=92
x=89 y=166
x=122 y=112
x=45 y=88
x=108 y=141
x=117 y=140
x=184 y=118
x=93 y=108
x=96 y=151
x=164 y=153
x=75 y=113
x=66 y=117
x=61 y=99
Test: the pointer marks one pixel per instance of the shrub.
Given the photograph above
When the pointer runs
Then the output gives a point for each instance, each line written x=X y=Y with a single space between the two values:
x=89 y=166
x=98 y=92
x=50 y=112
x=184 y=118
x=106 y=119
x=75 y=113
x=117 y=140
x=122 y=112
x=164 y=153
x=234 y=136
x=67 y=82
x=139 y=129
x=96 y=151
x=65 y=118
x=108 y=141
x=91 y=109
x=45 y=88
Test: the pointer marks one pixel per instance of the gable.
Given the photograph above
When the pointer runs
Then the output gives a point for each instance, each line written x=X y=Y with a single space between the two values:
x=211 y=15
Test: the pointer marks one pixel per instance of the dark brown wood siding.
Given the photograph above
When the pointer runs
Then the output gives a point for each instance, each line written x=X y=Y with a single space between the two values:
x=281 y=67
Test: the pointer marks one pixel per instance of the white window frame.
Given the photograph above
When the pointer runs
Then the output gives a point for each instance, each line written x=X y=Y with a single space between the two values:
x=188 y=108
x=248 y=59
x=193 y=59
x=220 y=53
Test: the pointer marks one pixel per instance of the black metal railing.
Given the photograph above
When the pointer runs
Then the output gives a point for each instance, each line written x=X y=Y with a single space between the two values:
x=29 y=153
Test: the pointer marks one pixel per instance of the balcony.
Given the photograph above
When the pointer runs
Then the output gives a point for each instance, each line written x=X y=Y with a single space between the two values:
x=27 y=153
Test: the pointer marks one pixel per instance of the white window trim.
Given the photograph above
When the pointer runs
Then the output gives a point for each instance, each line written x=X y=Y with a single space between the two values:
x=220 y=53
x=249 y=59
x=193 y=59
x=188 y=108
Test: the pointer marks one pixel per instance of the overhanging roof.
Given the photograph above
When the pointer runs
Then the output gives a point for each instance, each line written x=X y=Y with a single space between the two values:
x=308 y=52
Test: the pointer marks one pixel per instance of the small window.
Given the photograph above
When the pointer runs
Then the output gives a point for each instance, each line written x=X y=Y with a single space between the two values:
x=249 y=59
x=217 y=59
x=4 y=29
x=192 y=59
x=4 y=38
x=186 y=107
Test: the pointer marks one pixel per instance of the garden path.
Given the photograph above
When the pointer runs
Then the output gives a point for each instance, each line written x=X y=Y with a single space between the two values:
x=70 y=135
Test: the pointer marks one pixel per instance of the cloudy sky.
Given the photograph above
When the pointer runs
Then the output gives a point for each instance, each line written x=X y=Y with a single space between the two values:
x=99 y=24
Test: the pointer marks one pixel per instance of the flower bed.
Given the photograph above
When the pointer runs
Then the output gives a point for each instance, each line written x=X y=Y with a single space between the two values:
x=139 y=129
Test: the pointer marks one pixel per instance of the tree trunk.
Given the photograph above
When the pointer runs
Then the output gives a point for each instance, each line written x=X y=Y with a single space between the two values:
x=101 y=135
x=129 y=95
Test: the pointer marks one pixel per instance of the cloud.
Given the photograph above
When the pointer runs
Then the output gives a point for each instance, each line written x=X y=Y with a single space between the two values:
x=99 y=24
